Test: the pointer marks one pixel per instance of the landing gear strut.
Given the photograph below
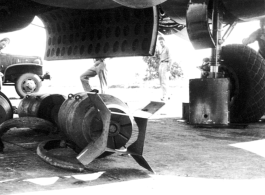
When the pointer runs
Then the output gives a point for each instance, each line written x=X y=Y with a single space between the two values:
x=233 y=90
x=209 y=97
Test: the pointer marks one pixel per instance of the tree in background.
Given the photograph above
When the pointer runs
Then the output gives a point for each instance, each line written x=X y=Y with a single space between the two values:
x=153 y=64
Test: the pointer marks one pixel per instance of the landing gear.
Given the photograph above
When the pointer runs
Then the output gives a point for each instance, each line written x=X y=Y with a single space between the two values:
x=242 y=66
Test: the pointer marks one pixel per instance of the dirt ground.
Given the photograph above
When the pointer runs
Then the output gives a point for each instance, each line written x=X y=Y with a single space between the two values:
x=186 y=159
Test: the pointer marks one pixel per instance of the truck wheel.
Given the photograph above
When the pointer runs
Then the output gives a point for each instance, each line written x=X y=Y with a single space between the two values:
x=27 y=83
x=246 y=70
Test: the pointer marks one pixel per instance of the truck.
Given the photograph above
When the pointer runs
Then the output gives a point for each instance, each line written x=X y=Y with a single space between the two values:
x=23 y=72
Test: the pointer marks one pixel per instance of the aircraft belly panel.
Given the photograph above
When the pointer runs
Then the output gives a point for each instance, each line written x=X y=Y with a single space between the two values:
x=80 y=4
x=246 y=9
x=139 y=3
x=176 y=10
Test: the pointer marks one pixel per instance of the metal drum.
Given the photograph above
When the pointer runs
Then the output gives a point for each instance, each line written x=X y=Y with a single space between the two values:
x=82 y=124
x=6 y=110
x=45 y=106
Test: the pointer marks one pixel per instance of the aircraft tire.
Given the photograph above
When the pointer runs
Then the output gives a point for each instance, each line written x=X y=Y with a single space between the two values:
x=246 y=70
x=27 y=83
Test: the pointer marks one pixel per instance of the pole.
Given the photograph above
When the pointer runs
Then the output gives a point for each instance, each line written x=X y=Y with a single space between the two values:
x=216 y=31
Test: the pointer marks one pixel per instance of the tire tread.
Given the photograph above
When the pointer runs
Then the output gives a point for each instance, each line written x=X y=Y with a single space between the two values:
x=249 y=66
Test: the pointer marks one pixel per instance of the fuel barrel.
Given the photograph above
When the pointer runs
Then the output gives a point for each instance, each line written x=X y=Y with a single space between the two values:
x=80 y=120
x=6 y=110
x=45 y=106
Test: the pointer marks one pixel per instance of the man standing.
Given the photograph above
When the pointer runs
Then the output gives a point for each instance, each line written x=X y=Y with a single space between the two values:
x=164 y=68
x=99 y=68
x=258 y=35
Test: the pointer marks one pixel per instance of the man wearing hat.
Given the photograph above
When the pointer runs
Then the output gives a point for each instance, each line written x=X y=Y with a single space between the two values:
x=258 y=35
x=99 y=68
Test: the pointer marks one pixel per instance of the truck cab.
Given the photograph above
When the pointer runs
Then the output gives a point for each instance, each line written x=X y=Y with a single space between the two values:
x=23 y=72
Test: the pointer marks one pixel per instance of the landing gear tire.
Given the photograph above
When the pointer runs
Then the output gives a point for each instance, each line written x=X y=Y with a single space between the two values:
x=27 y=83
x=246 y=70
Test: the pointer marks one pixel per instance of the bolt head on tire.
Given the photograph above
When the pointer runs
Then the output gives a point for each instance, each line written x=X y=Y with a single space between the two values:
x=27 y=83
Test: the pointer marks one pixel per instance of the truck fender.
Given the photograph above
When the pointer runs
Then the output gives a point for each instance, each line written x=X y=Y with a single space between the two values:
x=15 y=70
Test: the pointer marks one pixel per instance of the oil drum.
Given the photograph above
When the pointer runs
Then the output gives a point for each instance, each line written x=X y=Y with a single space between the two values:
x=6 y=110
x=82 y=124
x=45 y=106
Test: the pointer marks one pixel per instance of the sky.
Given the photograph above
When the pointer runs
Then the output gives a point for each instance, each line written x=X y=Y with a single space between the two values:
x=32 y=39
